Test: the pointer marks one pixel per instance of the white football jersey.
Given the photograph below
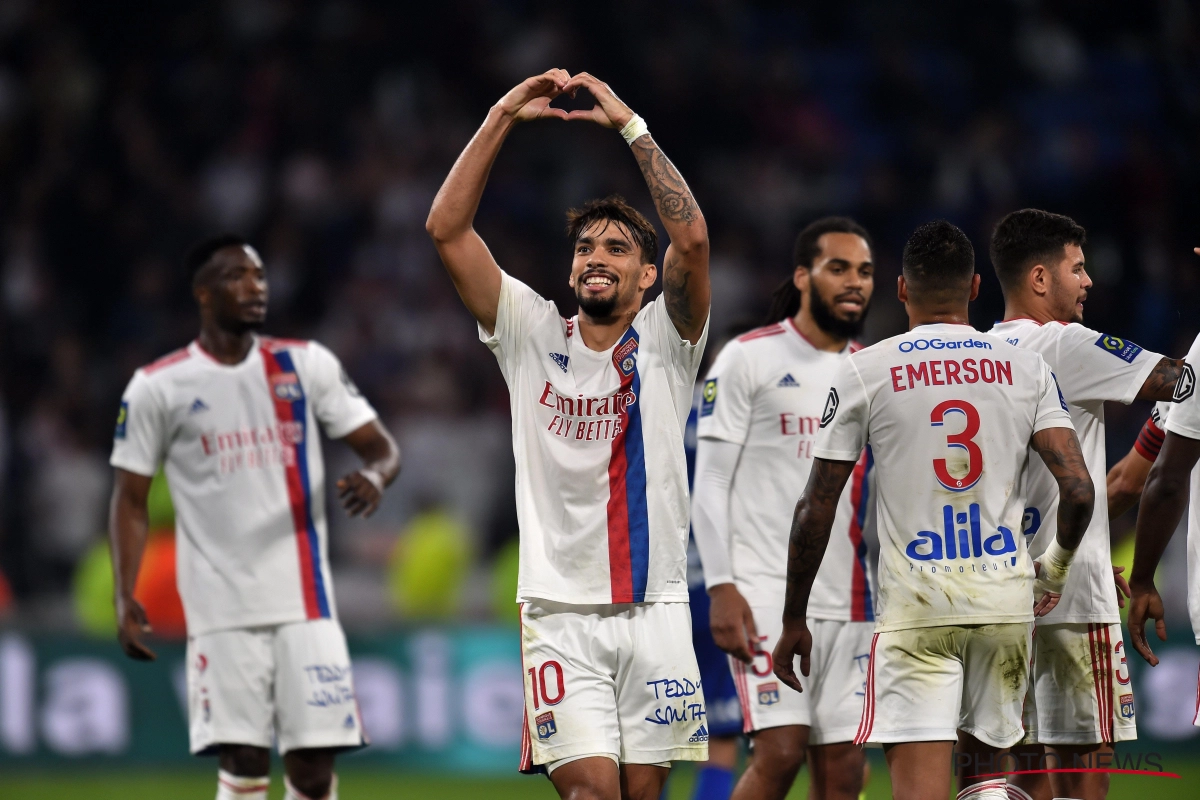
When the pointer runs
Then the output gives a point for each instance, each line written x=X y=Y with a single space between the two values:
x=1182 y=418
x=242 y=456
x=766 y=392
x=948 y=413
x=1091 y=368
x=602 y=488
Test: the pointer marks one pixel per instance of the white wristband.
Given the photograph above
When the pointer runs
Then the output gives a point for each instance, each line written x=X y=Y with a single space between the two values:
x=1053 y=575
x=633 y=129
x=374 y=477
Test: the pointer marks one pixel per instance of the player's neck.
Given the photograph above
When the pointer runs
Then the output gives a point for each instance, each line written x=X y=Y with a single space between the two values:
x=817 y=336
x=1028 y=308
x=601 y=334
x=937 y=316
x=225 y=346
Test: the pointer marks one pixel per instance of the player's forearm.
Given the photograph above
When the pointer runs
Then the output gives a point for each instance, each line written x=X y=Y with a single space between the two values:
x=673 y=199
x=1124 y=483
x=1163 y=502
x=1060 y=452
x=1160 y=384
x=454 y=207
x=811 y=525
x=129 y=524
x=715 y=464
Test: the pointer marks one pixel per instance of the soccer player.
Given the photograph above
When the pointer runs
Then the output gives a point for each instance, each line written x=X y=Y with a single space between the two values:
x=1081 y=700
x=233 y=416
x=761 y=407
x=599 y=404
x=949 y=414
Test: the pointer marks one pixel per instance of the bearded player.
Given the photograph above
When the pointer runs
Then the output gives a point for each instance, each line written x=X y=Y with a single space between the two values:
x=233 y=417
x=1081 y=701
x=761 y=406
x=599 y=405
x=950 y=415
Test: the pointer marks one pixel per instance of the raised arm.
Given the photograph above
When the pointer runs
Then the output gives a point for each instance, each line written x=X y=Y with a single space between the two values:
x=128 y=524
x=685 y=264
x=1163 y=502
x=475 y=273
x=1059 y=449
x=811 y=525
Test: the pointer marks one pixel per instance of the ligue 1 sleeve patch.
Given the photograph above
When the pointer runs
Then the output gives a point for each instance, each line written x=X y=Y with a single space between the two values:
x=708 y=398
x=1123 y=349
x=122 y=419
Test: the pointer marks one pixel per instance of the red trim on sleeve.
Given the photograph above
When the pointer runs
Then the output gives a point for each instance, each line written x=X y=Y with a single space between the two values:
x=1149 y=441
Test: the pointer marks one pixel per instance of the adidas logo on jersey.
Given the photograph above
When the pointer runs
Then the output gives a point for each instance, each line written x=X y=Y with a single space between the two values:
x=197 y=406
x=788 y=382
x=560 y=359
x=701 y=735
x=349 y=723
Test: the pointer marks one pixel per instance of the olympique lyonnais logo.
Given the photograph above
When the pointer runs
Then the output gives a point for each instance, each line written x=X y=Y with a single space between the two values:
x=286 y=387
x=831 y=407
x=1186 y=385
x=768 y=694
x=545 y=725
x=626 y=357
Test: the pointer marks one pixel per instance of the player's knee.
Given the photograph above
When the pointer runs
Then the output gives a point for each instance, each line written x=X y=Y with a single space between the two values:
x=780 y=756
x=245 y=760
x=309 y=772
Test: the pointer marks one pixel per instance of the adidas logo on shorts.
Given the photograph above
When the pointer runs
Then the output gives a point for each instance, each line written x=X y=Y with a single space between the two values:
x=701 y=735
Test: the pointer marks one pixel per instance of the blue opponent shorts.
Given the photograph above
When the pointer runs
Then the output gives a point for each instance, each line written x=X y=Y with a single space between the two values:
x=720 y=695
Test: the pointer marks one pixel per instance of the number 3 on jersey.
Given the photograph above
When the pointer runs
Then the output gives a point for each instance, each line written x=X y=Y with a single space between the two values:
x=964 y=441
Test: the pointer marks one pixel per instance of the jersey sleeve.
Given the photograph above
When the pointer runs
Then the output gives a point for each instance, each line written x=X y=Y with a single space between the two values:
x=1150 y=440
x=1184 y=418
x=519 y=308
x=727 y=397
x=337 y=403
x=1051 y=409
x=140 y=438
x=1095 y=367
x=681 y=356
x=843 y=432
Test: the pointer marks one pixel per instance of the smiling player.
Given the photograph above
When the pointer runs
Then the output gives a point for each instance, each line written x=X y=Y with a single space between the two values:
x=599 y=405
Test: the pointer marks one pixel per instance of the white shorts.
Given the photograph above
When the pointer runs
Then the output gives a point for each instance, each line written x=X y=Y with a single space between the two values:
x=1080 y=692
x=292 y=681
x=926 y=684
x=832 y=700
x=618 y=680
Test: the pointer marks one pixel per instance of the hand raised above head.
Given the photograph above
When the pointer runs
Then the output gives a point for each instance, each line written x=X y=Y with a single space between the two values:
x=609 y=111
x=531 y=98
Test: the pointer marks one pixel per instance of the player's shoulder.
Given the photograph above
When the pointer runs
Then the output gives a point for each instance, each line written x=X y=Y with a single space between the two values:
x=279 y=344
x=167 y=366
x=761 y=334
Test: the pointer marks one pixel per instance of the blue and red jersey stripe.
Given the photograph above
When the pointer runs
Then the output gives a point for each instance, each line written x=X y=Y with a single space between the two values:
x=628 y=520
x=291 y=410
x=862 y=605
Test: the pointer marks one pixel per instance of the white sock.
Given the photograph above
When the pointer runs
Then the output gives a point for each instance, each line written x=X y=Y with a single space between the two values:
x=996 y=789
x=234 y=787
x=292 y=794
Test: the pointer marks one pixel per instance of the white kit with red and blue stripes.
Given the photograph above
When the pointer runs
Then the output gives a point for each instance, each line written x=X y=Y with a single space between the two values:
x=602 y=489
x=766 y=392
x=242 y=456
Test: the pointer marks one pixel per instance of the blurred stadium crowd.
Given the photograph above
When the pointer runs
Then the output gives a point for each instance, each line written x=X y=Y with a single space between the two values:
x=322 y=130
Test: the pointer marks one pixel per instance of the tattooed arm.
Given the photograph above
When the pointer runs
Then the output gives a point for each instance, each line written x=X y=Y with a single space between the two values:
x=685 y=264
x=806 y=547
x=1059 y=449
x=1160 y=383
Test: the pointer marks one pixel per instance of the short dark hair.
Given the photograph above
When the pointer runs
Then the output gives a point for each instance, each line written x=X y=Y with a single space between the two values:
x=614 y=209
x=938 y=260
x=1026 y=238
x=785 y=300
x=203 y=251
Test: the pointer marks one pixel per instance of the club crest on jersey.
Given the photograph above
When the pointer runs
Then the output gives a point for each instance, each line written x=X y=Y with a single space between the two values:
x=831 y=407
x=1123 y=349
x=545 y=725
x=1186 y=386
x=768 y=694
x=626 y=356
x=958 y=542
x=708 y=397
x=286 y=386
x=122 y=419
x=1127 y=706
x=788 y=382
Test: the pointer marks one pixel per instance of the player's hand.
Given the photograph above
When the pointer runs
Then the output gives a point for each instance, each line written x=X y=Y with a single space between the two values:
x=732 y=622
x=131 y=624
x=1144 y=603
x=1045 y=604
x=358 y=494
x=1122 y=586
x=794 y=641
x=609 y=111
x=531 y=98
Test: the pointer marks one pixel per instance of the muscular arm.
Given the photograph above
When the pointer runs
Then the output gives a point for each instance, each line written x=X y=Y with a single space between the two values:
x=475 y=273
x=811 y=525
x=1160 y=383
x=1059 y=449
x=128 y=524
x=381 y=458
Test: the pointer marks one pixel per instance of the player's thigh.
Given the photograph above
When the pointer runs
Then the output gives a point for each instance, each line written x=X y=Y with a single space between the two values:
x=660 y=703
x=314 y=688
x=569 y=658
x=767 y=703
x=230 y=676
x=837 y=685
x=996 y=663
x=1082 y=685
x=914 y=686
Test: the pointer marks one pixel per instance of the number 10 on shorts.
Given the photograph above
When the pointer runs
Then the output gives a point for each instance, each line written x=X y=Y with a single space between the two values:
x=538 y=681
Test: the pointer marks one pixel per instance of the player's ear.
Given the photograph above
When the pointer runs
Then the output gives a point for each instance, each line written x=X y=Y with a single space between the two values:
x=901 y=290
x=649 y=276
x=1039 y=280
x=802 y=278
x=975 y=286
